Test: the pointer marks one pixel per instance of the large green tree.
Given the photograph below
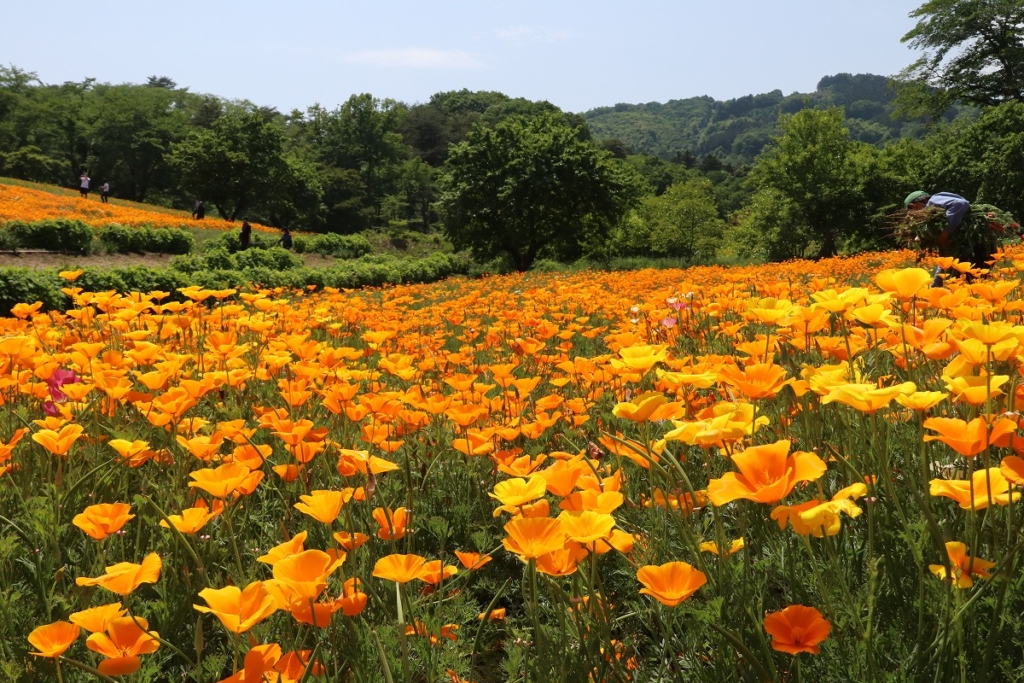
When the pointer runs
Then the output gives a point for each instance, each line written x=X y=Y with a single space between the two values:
x=238 y=164
x=131 y=129
x=810 y=172
x=529 y=186
x=973 y=52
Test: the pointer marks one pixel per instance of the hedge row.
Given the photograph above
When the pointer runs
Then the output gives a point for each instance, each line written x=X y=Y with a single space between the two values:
x=75 y=237
x=24 y=285
x=330 y=244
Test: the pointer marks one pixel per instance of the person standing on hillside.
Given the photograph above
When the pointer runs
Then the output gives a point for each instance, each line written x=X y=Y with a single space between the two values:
x=105 y=192
x=83 y=185
x=245 y=237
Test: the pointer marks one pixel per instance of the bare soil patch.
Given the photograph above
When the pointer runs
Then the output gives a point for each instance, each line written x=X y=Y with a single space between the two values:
x=44 y=259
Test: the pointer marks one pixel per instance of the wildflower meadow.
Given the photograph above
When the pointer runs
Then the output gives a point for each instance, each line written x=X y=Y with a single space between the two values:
x=806 y=471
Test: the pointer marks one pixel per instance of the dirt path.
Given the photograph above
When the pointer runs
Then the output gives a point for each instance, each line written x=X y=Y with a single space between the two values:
x=41 y=259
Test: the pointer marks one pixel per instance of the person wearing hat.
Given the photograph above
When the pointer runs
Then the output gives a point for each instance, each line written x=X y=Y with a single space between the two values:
x=956 y=208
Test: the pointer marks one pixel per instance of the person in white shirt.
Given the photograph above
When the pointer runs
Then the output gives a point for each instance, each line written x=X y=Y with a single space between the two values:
x=83 y=185
x=104 y=192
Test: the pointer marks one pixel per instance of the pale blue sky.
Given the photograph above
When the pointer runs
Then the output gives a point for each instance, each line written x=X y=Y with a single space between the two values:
x=576 y=54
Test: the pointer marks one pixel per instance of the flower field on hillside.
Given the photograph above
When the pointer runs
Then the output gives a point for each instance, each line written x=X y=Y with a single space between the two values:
x=796 y=472
x=21 y=203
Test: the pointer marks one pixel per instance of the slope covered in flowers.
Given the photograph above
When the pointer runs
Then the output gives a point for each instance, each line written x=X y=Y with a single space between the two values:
x=22 y=203
x=804 y=471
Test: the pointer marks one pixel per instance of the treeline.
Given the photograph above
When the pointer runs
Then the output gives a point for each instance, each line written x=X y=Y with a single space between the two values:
x=370 y=162
x=737 y=130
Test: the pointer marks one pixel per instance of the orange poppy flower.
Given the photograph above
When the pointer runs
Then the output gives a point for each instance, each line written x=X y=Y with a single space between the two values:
x=224 y=480
x=191 y=519
x=353 y=600
x=759 y=380
x=533 y=537
x=99 y=521
x=350 y=541
x=975 y=389
x=905 y=283
x=293 y=546
x=767 y=474
x=921 y=400
x=124 y=577
x=59 y=443
x=512 y=493
x=239 y=610
x=259 y=661
x=434 y=572
x=124 y=640
x=586 y=526
x=496 y=614
x=561 y=562
x=324 y=506
x=392 y=523
x=670 y=583
x=472 y=561
x=712 y=547
x=304 y=574
x=136 y=453
x=399 y=568
x=797 y=629
x=96 y=619
x=867 y=398
x=618 y=540
x=54 y=639
x=641 y=407
x=976 y=493
x=969 y=438
x=962 y=566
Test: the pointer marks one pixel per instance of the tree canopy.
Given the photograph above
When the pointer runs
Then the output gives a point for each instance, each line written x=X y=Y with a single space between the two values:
x=529 y=186
x=973 y=52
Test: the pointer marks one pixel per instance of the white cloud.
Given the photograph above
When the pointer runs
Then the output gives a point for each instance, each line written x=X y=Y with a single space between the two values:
x=415 y=58
x=531 y=34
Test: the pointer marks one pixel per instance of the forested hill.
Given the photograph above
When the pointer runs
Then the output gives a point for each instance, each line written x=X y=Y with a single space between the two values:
x=738 y=129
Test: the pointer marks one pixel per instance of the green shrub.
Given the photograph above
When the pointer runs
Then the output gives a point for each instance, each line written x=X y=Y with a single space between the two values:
x=59 y=234
x=218 y=269
x=8 y=242
x=339 y=246
x=117 y=239
x=24 y=285
x=275 y=258
x=170 y=241
x=228 y=241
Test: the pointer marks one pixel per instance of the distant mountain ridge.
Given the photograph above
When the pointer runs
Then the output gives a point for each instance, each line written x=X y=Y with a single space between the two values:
x=738 y=129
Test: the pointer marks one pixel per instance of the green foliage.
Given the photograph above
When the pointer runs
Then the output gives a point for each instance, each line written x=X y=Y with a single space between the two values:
x=683 y=223
x=972 y=53
x=531 y=185
x=18 y=285
x=59 y=234
x=330 y=244
x=238 y=163
x=117 y=239
x=739 y=129
x=218 y=269
x=811 y=174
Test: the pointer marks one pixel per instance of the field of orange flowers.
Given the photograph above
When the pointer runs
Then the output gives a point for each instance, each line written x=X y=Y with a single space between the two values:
x=22 y=203
x=797 y=472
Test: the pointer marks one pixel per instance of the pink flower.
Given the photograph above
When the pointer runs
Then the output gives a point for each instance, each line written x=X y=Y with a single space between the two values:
x=59 y=378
